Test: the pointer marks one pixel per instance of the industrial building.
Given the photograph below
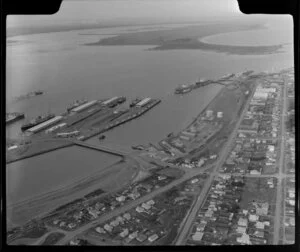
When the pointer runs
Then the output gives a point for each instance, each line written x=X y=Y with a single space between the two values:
x=84 y=106
x=114 y=101
x=143 y=102
x=55 y=128
x=107 y=102
x=44 y=125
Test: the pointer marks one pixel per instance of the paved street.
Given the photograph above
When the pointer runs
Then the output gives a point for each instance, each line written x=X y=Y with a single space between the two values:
x=222 y=157
x=279 y=196
x=127 y=207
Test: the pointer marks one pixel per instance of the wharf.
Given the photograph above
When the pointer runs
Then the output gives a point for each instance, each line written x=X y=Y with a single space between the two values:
x=129 y=117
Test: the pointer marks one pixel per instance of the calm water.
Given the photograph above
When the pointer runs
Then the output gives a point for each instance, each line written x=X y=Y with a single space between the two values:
x=65 y=69
x=47 y=172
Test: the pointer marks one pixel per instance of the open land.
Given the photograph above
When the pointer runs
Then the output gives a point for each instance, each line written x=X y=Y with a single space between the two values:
x=189 y=38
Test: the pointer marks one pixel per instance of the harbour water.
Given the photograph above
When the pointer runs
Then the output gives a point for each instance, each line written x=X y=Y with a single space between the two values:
x=65 y=69
x=40 y=174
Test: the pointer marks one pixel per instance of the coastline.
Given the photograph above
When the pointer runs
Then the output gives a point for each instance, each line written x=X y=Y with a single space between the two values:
x=194 y=39
x=78 y=186
x=39 y=205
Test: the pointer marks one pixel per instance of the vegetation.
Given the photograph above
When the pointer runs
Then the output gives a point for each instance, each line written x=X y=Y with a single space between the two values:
x=53 y=238
x=290 y=123
x=34 y=232
x=68 y=204
x=94 y=193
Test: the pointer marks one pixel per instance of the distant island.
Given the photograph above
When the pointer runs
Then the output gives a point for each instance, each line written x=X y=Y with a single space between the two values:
x=189 y=38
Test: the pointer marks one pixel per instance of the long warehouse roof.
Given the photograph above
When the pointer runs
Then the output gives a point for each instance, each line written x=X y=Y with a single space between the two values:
x=84 y=105
x=40 y=126
x=110 y=100
x=144 y=101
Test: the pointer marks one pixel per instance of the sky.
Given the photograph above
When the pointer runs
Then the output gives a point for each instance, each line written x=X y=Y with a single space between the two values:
x=109 y=11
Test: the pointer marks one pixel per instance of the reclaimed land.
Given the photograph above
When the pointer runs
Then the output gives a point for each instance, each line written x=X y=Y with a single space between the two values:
x=189 y=38
x=36 y=148
x=110 y=179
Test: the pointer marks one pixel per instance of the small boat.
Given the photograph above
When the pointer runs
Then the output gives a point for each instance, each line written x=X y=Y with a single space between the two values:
x=170 y=134
x=137 y=147
x=101 y=137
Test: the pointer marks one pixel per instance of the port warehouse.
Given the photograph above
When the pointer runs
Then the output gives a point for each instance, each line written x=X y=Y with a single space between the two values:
x=59 y=126
x=143 y=102
x=84 y=106
x=109 y=101
x=45 y=124
x=114 y=101
x=82 y=116
x=85 y=114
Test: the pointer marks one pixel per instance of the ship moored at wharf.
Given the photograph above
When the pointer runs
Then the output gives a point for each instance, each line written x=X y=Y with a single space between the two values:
x=36 y=121
x=12 y=117
x=76 y=104
x=188 y=88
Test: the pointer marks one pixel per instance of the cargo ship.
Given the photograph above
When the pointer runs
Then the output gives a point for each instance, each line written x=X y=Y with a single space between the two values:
x=12 y=117
x=134 y=102
x=38 y=92
x=36 y=121
x=183 y=89
x=188 y=88
x=75 y=104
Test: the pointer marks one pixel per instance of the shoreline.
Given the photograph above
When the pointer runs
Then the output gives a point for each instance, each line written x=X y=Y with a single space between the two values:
x=77 y=189
x=66 y=145
x=195 y=40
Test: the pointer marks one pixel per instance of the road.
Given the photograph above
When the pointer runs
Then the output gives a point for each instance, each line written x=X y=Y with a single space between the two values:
x=202 y=196
x=128 y=206
x=279 y=195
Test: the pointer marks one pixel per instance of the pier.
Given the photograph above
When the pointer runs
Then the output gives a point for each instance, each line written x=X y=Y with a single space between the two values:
x=101 y=148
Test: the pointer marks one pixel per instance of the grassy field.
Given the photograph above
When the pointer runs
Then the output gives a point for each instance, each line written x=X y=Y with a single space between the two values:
x=53 y=238
x=188 y=38
x=257 y=189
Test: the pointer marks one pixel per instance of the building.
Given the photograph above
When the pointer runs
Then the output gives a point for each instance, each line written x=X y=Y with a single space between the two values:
x=127 y=216
x=84 y=106
x=243 y=222
x=209 y=113
x=100 y=230
x=120 y=198
x=108 y=228
x=143 y=102
x=141 y=237
x=198 y=236
x=244 y=239
x=146 y=206
x=111 y=100
x=152 y=238
x=139 y=209
x=55 y=128
x=219 y=114
x=45 y=124
x=124 y=233
x=150 y=202
x=253 y=217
